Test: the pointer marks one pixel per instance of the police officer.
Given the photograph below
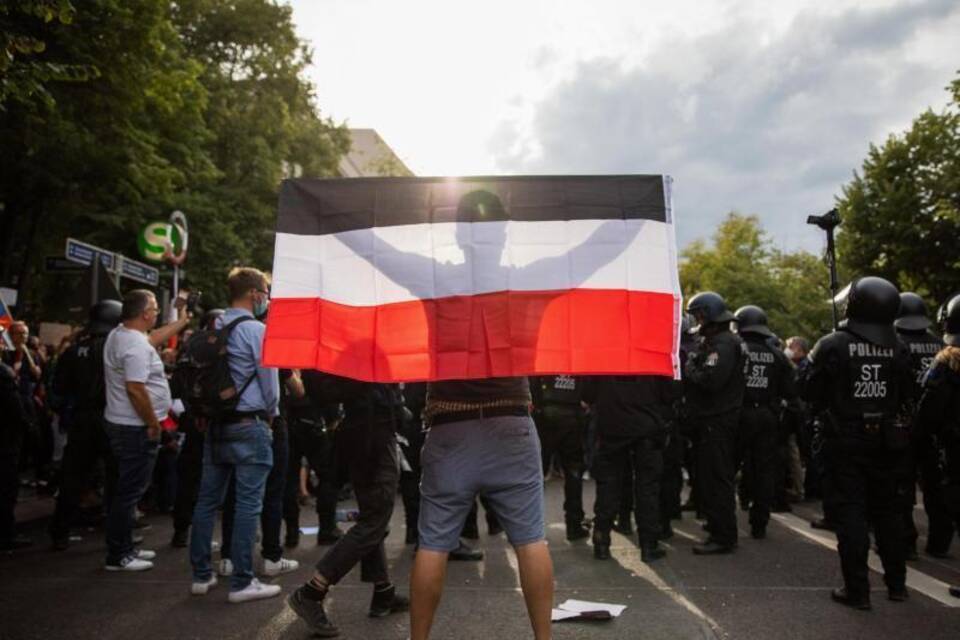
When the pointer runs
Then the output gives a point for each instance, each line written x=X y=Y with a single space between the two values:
x=938 y=436
x=770 y=382
x=12 y=426
x=715 y=383
x=913 y=328
x=560 y=418
x=632 y=420
x=79 y=381
x=860 y=381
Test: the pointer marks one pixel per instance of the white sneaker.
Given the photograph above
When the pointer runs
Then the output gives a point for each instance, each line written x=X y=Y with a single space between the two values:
x=225 y=570
x=256 y=590
x=145 y=554
x=201 y=588
x=271 y=568
x=130 y=563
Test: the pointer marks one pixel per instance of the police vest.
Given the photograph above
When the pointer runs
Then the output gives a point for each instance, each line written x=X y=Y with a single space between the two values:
x=764 y=373
x=563 y=390
x=923 y=348
x=867 y=379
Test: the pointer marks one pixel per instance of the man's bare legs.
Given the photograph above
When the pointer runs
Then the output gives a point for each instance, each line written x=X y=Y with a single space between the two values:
x=426 y=585
x=536 y=580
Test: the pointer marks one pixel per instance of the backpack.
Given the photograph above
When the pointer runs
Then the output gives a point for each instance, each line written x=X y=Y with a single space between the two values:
x=202 y=376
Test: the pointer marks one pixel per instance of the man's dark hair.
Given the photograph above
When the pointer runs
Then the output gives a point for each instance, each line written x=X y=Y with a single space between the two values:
x=242 y=279
x=135 y=303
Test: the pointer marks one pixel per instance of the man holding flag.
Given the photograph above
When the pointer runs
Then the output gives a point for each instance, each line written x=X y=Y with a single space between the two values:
x=473 y=284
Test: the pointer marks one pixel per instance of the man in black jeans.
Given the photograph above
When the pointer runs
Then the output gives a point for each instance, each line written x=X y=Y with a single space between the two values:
x=368 y=441
x=311 y=436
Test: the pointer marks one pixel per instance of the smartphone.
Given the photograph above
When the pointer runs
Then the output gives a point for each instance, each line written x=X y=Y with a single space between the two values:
x=192 y=300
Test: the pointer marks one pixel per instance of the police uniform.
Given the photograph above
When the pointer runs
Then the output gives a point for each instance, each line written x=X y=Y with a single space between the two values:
x=79 y=382
x=560 y=421
x=770 y=381
x=715 y=384
x=632 y=422
x=938 y=432
x=922 y=347
x=859 y=387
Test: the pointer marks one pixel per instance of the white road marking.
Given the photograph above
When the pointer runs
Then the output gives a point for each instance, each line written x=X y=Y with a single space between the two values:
x=916 y=580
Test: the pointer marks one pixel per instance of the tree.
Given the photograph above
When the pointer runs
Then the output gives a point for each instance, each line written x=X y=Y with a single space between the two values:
x=901 y=212
x=743 y=267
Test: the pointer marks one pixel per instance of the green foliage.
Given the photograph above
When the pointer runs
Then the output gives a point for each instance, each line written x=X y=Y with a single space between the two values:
x=23 y=77
x=902 y=210
x=199 y=106
x=742 y=266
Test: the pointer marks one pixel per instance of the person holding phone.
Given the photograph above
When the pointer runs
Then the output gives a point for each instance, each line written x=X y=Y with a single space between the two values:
x=138 y=398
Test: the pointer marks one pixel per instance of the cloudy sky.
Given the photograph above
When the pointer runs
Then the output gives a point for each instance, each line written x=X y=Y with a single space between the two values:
x=759 y=109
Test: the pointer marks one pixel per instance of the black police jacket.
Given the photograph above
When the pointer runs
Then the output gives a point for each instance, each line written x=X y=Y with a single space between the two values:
x=771 y=377
x=634 y=406
x=856 y=381
x=715 y=375
x=363 y=402
x=923 y=347
x=563 y=391
x=938 y=414
x=79 y=378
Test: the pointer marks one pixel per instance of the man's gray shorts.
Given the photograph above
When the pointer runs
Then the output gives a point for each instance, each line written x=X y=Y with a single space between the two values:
x=498 y=458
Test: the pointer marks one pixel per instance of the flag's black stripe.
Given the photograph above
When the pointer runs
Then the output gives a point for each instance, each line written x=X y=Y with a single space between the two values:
x=322 y=206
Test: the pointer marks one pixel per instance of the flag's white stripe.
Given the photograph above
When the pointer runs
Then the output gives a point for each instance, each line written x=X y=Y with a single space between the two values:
x=385 y=265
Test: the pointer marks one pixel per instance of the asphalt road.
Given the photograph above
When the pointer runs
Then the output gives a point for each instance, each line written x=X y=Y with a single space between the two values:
x=772 y=589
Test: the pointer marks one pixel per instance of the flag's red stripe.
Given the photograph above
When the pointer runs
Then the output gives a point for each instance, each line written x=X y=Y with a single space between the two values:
x=578 y=331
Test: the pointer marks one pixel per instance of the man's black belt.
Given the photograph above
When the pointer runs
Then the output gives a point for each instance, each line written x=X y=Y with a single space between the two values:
x=478 y=414
x=237 y=416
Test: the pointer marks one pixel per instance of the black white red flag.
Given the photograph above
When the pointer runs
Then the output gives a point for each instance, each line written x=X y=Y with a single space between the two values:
x=402 y=279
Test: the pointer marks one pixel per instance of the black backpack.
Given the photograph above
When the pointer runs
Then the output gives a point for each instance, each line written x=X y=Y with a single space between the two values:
x=202 y=378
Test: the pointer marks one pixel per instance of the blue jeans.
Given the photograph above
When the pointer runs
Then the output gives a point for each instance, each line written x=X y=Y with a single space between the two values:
x=271 y=519
x=241 y=451
x=135 y=457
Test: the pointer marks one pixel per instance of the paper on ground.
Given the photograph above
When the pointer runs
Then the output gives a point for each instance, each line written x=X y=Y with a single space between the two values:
x=559 y=614
x=309 y=531
x=580 y=606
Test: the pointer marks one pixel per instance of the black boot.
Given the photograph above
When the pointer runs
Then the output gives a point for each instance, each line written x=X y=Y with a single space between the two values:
x=712 y=548
x=651 y=552
x=601 y=545
x=180 y=538
x=386 y=601
x=666 y=531
x=576 y=531
x=854 y=602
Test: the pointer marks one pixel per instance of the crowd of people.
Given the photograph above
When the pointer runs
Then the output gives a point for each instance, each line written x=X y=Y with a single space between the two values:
x=184 y=419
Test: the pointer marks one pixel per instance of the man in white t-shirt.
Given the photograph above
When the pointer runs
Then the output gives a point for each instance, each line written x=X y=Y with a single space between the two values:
x=138 y=398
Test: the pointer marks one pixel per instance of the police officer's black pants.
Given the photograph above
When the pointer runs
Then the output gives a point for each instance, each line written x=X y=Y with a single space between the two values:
x=87 y=446
x=374 y=473
x=609 y=467
x=907 y=494
x=671 y=483
x=942 y=504
x=410 y=479
x=716 y=475
x=861 y=486
x=308 y=440
x=189 y=472
x=757 y=445
x=563 y=435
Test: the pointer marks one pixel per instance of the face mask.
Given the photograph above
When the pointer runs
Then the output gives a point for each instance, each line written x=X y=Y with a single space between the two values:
x=260 y=307
x=789 y=353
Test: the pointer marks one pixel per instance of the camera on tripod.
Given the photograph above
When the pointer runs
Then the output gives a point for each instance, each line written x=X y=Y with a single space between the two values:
x=828 y=221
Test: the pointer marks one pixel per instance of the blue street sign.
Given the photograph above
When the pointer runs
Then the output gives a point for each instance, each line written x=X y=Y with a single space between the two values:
x=83 y=253
x=140 y=272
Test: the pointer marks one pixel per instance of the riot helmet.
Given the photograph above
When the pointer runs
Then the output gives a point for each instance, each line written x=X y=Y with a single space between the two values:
x=950 y=319
x=913 y=313
x=871 y=306
x=104 y=317
x=752 y=319
x=209 y=319
x=707 y=308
